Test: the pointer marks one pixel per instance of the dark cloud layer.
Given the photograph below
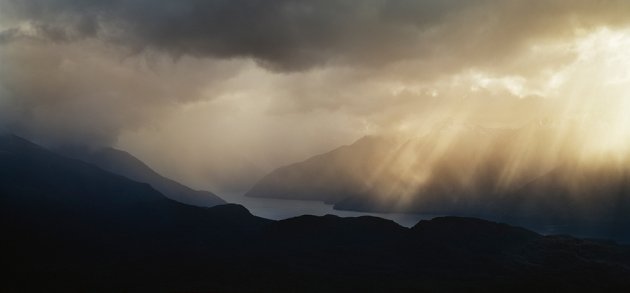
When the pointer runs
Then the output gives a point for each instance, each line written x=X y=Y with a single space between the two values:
x=299 y=34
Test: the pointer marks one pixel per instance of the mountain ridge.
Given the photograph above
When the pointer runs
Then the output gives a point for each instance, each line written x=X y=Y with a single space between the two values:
x=69 y=226
x=467 y=172
x=121 y=162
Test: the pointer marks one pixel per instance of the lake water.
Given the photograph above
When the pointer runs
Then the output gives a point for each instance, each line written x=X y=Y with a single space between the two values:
x=280 y=209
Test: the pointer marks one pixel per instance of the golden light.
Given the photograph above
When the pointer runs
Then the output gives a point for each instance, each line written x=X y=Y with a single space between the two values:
x=600 y=81
x=586 y=105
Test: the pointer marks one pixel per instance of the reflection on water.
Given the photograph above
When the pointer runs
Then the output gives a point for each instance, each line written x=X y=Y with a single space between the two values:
x=279 y=209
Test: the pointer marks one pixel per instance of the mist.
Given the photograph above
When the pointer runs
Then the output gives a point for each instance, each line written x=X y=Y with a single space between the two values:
x=218 y=93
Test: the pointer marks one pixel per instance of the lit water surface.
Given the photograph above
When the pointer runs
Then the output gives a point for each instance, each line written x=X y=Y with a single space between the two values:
x=280 y=209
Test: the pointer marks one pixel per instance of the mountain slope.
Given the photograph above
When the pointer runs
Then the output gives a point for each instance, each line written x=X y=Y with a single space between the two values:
x=123 y=163
x=69 y=226
x=65 y=222
x=524 y=176
x=592 y=200
x=39 y=182
x=401 y=174
x=329 y=177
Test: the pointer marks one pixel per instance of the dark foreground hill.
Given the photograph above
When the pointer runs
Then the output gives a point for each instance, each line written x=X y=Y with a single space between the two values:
x=69 y=226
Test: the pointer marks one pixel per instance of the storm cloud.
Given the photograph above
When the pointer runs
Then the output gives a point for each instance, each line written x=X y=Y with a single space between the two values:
x=298 y=34
x=214 y=91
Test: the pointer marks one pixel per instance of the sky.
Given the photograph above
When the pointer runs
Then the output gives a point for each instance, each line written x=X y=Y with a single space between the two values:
x=216 y=93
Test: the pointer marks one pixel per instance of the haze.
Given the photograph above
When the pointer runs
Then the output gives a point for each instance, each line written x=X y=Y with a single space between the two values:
x=218 y=93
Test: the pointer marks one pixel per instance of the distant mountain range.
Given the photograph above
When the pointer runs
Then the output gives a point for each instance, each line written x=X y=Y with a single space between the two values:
x=123 y=163
x=70 y=226
x=522 y=176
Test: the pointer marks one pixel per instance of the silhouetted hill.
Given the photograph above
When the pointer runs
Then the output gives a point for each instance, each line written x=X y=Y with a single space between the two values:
x=69 y=226
x=464 y=229
x=313 y=230
x=123 y=163
x=475 y=235
x=66 y=221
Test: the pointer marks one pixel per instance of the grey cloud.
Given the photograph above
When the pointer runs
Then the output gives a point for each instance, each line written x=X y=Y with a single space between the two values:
x=300 y=34
x=87 y=93
x=8 y=35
